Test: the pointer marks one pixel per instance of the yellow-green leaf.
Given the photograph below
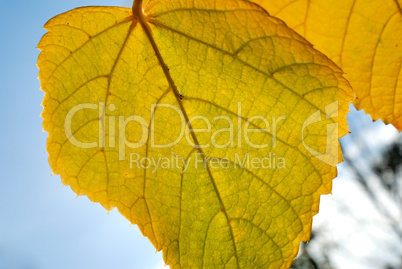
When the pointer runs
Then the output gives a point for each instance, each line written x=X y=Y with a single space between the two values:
x=363 y=37
x=165 y=115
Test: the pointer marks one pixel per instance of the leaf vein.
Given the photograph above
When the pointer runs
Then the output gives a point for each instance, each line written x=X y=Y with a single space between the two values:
x=241 y=61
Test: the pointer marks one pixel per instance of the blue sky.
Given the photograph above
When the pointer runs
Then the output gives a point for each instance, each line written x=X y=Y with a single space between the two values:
x=42 y=224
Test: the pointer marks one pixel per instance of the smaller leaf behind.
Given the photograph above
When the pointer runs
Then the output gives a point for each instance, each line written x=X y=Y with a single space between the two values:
x=363 y=37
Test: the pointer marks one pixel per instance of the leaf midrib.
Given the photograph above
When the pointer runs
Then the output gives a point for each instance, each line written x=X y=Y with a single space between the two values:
x=141 y=19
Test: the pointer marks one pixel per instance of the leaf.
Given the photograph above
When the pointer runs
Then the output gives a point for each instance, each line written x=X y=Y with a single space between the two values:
x=119 y=82
x=363 y=37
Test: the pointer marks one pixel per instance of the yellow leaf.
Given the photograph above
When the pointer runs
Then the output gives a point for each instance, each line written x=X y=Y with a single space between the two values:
x=210 y=124
x=363 y=37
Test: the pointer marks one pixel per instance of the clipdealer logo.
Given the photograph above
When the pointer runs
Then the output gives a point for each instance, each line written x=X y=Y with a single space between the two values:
x=112 y=137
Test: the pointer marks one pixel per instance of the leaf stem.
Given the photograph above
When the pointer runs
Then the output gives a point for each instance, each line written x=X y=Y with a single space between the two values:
x=137 y=8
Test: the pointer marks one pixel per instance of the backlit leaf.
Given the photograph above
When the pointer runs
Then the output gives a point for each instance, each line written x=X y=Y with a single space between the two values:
x=249 y=113
x=363 y=37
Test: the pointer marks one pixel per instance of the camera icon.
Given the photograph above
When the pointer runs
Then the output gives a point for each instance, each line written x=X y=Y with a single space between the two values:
x=331 y=154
